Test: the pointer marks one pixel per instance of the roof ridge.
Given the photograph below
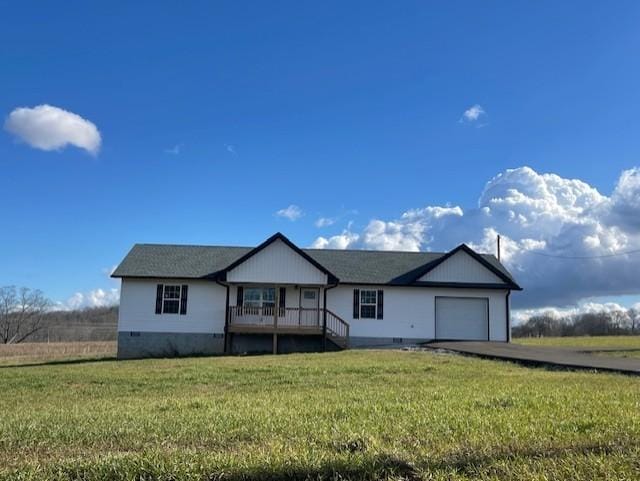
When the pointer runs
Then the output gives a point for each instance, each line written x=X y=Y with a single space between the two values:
x=306 y=249
x=217 y=246
x=317 y=249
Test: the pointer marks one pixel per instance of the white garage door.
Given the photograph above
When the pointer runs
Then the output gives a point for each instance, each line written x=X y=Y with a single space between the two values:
x=462 y=318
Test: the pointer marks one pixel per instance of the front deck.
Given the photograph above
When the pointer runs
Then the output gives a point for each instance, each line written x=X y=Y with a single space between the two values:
x=290 y=321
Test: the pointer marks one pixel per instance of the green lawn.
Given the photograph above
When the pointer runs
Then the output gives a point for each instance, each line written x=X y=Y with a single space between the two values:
x=613 y=346
x=355 y=414
x=623 y=342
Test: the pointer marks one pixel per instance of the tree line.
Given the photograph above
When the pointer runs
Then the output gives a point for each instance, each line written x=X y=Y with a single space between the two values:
x=603 y=323
x=26 y=315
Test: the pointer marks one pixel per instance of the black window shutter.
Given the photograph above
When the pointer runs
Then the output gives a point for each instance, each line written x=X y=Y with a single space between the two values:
x=183 y=299
x=380 y=303
x=159 y=299
x=356 y=303
x=282 y=300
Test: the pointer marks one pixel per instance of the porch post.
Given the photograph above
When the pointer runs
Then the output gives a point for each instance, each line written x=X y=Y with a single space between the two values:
x=275 y=320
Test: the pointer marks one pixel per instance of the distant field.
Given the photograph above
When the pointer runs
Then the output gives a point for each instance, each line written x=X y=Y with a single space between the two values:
x=42 y=351
x=626 y=342
x=362 y=415
x=614 y=346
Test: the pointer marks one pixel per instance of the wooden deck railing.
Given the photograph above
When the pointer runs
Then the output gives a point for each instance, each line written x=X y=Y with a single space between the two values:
x=336 y=326
x=289 y=319
x=272 y=316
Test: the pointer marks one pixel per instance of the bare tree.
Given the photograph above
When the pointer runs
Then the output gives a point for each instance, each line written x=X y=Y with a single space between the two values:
x=21 y=313
x=634 y=315
x=620 y=321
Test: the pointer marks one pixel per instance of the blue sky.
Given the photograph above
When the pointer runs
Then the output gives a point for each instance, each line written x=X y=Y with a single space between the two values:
x=213 y=116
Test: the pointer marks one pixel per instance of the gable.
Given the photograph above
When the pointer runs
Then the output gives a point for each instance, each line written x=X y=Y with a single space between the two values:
x=277 y=263
x=461 y=267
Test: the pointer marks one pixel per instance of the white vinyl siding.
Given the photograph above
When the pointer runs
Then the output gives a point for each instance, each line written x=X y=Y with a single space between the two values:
x=205 y=313
x=461 y=267
x=462 y=318
x=409 y=312
x=277 y=264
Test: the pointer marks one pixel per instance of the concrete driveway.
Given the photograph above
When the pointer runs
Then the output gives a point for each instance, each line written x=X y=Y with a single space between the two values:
x=575 y=358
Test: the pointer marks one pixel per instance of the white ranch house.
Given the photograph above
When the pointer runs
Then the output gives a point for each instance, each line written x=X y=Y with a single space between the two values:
x=190 y=300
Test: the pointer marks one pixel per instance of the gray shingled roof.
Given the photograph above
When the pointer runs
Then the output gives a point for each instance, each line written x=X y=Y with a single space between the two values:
x=350 y=266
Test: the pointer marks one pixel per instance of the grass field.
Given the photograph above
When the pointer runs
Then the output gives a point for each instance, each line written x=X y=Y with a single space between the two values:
x=350 y=415
x=34 y=352
x=622 y=342
x=614 y=346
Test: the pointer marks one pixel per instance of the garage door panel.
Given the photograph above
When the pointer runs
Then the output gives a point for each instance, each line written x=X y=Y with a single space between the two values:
x=462 y=318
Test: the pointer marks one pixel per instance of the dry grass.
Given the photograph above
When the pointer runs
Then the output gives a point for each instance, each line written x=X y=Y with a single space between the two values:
x=42 y=351
x=350 y=416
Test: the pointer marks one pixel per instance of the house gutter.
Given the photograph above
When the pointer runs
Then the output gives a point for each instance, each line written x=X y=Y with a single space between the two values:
x=226 y=316
x=508 y=315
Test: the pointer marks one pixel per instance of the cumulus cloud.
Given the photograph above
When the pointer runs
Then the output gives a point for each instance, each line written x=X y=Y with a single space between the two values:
x=472 y=114
x=94 y=298
x=293 y=213
x=46 y=127
x=562 y=239
x=521 y=315
x=341 y=241
x=324 y=222
x=625 y=200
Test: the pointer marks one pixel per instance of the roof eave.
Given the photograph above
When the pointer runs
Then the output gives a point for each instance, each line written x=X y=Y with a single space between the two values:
x=470 y=285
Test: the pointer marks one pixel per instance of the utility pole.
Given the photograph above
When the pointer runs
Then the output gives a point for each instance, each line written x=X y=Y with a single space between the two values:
x=498 y=246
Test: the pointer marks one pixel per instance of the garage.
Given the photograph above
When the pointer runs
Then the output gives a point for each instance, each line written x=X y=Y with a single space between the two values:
x=462 y=318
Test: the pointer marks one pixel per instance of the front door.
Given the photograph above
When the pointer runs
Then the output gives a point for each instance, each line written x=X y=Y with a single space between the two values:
x=309 y=304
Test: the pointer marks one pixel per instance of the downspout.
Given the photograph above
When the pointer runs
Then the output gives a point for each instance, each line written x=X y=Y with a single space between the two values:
x=324 y=317
x=226 y=317
x=508 y=315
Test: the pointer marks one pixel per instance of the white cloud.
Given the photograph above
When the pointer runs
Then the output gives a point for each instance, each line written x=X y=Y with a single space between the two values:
x=342 y=241
x=46 y=127
x=94 y=298
x=537 y=215
x=472 y=114
x=175 y=150
x=293 y=213
x=521 y=315
x=231 y=149
x=324 y=222
x=393 y=236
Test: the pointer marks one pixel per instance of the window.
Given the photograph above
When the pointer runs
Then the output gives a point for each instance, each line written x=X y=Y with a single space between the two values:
x=368 y=304
x=260 y=297
x=171 y=300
